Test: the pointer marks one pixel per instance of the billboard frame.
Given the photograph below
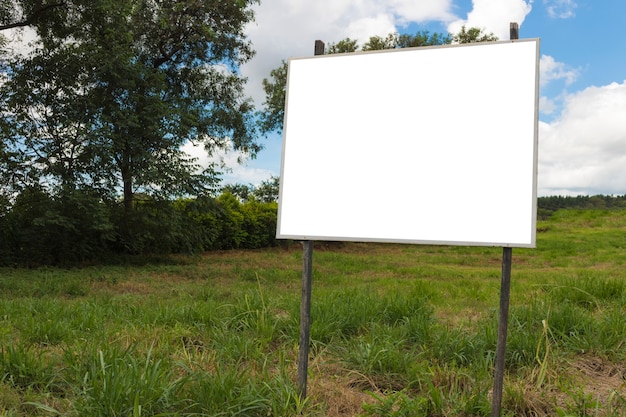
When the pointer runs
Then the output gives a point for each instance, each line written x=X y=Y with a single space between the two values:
x=308 y=199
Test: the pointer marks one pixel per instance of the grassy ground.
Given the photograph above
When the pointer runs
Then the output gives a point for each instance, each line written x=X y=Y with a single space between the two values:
x=398 y=330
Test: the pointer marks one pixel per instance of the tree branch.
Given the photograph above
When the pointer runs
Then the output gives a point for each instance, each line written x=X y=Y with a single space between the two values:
x=36 y=14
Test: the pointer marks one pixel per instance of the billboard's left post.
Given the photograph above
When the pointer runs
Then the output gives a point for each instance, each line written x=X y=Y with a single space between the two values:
x=305 y=316
x=305 y=305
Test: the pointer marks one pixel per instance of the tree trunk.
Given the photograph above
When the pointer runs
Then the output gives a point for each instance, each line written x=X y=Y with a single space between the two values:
x=128 y=190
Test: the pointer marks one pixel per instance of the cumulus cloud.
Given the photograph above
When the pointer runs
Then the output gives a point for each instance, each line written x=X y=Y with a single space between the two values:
x=419 y=11
x=552 y=70
x=494 y=16
x=584 y=150
x=560 y=9
x=546 y=105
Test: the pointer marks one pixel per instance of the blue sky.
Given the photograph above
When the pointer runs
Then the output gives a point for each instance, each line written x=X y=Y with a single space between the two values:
x=582 y=130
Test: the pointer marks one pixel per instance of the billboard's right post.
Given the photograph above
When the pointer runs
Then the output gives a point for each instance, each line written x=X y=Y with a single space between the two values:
x=503 y=321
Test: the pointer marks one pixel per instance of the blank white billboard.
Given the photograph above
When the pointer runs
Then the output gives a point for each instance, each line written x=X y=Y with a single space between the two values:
x=425 y=145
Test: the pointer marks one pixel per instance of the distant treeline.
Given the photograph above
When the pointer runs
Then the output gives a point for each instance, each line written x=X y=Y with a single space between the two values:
x=548 y=205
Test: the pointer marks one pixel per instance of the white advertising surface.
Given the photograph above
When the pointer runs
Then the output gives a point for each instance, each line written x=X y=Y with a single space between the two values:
x=425 y=145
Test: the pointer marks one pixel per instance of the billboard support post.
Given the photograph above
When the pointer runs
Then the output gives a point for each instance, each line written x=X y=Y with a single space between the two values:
x=305 y=304
x=305 y=316
x=503 y=322
x=505 y=291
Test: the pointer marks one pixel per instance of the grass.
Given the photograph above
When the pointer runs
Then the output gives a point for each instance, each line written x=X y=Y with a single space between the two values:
x=398 y=330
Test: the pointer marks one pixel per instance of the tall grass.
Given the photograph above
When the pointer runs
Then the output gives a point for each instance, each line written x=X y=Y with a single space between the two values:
x=398 y=330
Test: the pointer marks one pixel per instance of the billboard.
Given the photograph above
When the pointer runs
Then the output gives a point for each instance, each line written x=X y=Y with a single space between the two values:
x=433 y=145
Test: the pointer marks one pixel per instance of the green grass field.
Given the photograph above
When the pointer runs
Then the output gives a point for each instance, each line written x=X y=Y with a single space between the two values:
x=398 y=330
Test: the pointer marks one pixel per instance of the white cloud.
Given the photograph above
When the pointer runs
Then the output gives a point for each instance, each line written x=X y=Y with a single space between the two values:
x=546 y=105
x=552 y=70
x=584 y=150
x=245 y=174
x=560 y=9
x=419 y=11
x=494 y=16
x=365 y=27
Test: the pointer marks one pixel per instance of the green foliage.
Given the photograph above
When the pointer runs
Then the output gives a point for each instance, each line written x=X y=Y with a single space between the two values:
x=68 y=228
x=274 y=87
x=110 y=109
x=21 y=366
x=268 y=190
x=346 y=45
x=227 y=392
x=391 y=41
x=395 y=40
x=116 y=382
x=422 y=38
x=473 y=35
x=76 y=226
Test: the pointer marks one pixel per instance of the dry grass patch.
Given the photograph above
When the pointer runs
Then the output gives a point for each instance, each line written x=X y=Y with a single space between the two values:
x=339 y=392
x=601 y=380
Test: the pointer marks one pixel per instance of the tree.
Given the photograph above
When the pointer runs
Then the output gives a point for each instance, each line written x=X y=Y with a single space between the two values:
x=275 y=87
x=268 y=190
x=473 y=35
x=243 y=192
x=343 y=46
x=114 y=89
x=47 y=123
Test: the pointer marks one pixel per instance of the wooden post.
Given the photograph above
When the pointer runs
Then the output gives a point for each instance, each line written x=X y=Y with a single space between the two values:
x=305 y=304
x=319 y=47
x=513 y=31
x=503 y=323
x=505 y=292
x=305 y=316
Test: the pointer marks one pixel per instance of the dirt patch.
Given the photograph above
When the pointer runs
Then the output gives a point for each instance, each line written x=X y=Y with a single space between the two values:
x=601 y=377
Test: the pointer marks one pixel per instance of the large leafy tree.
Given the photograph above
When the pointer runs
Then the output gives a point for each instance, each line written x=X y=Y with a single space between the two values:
x=113 y=89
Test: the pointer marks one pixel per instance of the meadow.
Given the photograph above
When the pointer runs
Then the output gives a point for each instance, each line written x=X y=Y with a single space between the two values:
x=398 y=330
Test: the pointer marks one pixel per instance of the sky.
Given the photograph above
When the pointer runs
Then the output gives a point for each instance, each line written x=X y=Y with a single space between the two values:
x=582 y=110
